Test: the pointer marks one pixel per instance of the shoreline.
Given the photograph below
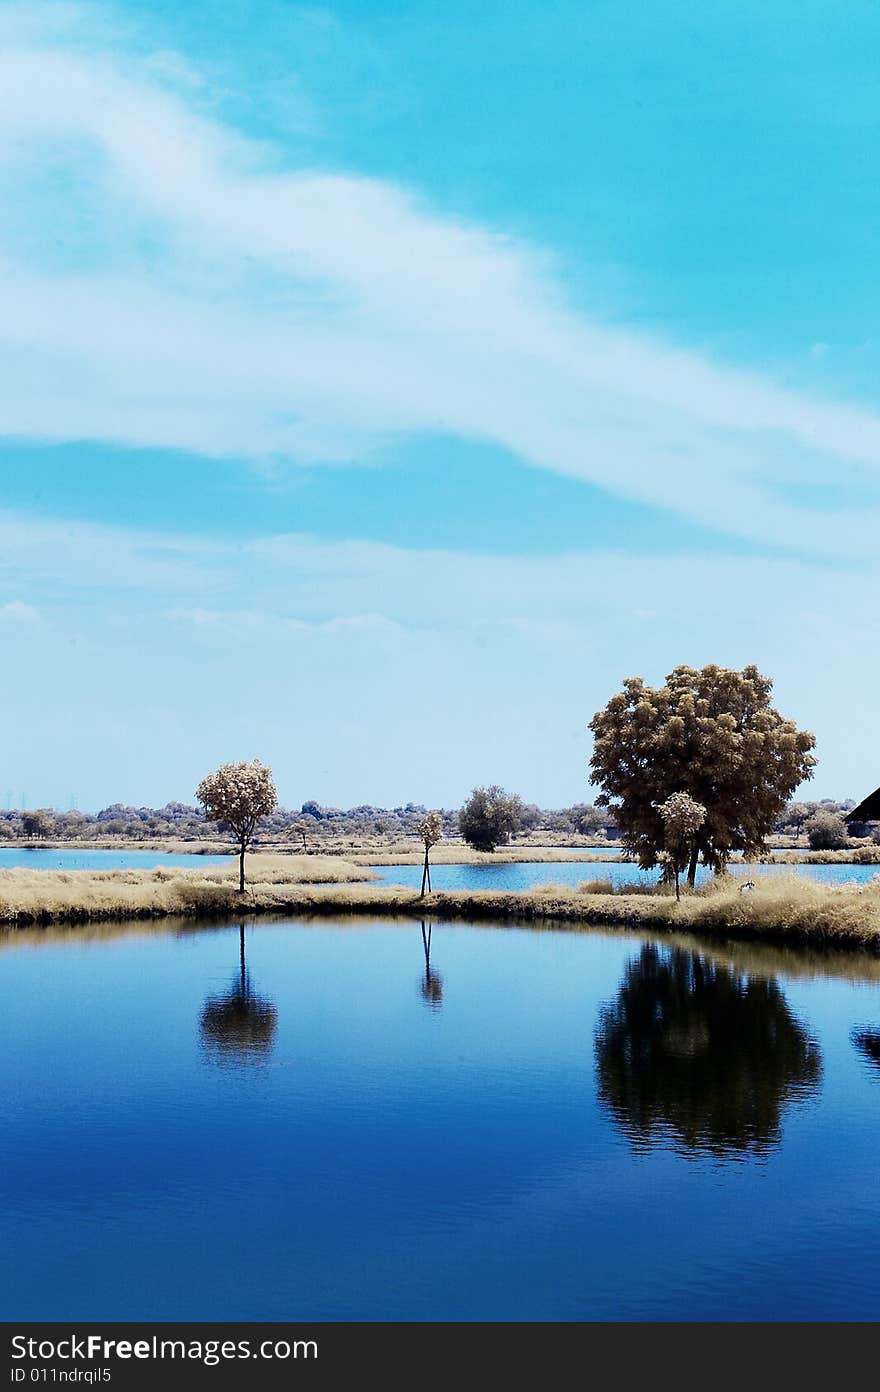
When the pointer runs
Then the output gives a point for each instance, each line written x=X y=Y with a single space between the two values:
x=786 y=911
x=444 y=853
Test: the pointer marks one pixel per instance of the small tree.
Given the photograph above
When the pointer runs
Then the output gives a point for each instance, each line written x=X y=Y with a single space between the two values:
x=826 y=831
x=430 y=831
x=682 y=819
x=239 y=795
x=490 y=817
x=796 y=814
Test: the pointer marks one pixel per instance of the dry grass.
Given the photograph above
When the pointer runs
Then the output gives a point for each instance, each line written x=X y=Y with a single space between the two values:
x=785 y=905
x=456 y=852
x=597 y=886
x=781 y=908
x=48 y=896
x=857 y=855
x=789 y=956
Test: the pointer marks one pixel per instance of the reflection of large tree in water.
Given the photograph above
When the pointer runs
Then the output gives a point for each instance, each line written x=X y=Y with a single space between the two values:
x=867 y=1041
x=694 y=1052
x=239 y=1027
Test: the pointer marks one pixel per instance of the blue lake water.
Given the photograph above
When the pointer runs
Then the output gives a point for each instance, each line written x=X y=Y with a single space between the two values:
x=535 y=1124
x=47 y=858
x=522 y=875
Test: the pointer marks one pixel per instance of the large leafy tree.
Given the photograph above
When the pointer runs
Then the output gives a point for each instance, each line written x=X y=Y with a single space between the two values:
x=239 y=795
x=490 y=817
x=712 y=733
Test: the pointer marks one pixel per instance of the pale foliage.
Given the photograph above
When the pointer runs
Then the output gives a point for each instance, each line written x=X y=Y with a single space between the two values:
x=60 y=895
x=781 y=906
x=238 y=794
x=682 y=818
x=430 y=829
x=710 y=732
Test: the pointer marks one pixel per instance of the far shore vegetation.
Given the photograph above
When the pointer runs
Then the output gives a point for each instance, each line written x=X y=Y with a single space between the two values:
x=388 y=834
x=700 y=770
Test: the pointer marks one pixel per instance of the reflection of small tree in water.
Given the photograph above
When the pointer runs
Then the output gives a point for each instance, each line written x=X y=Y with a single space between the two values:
x=431 y=985
x=692 y=1050
x=867 y=1041
x=240 y=1026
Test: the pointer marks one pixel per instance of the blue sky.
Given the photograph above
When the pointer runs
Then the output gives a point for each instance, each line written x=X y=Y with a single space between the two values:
x=382 y=384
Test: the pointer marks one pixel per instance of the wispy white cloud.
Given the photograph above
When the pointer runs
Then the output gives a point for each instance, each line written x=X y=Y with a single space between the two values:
x=262 y=625
x=16 y=611
x=201 y=295
x=366 y=671
x=304 y=581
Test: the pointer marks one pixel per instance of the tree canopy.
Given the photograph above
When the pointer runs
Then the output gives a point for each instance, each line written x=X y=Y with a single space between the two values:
x=712 y=733
x=430 y=829
x=682 y=819
x=490 y=817
x=827 y=831
x=239 y=795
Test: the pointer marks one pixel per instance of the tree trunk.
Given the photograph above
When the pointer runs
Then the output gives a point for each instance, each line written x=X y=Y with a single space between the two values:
x=241 y=869
x=692 y=867
x=677 y=887
x=426 y=875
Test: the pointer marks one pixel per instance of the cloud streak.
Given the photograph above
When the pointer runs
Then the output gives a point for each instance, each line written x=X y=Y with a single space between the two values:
x=202 y=295
x=371 y=671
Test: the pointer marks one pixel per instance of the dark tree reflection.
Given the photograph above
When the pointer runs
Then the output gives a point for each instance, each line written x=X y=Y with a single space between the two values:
x=693 y=1053
x=867 y=1041
x=431 y=984
x=238 y=1027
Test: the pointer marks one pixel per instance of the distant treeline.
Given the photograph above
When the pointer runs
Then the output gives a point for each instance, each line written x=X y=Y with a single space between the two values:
x=314 y=822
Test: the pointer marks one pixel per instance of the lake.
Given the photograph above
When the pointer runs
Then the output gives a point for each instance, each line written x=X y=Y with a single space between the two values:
x=524 y=875
x=515 y=875
x=310 y=1121
x=69 y=858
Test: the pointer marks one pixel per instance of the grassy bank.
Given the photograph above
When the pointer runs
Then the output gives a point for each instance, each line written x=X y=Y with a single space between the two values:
x=854 y=855
x=780 y=908
x=79 y=896
x=458 y=853
x=805 y=960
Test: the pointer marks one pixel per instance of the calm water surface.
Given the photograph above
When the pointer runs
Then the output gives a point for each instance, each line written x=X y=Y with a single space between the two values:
x=522 y=875
x=46 y=858
x=532 y=1125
